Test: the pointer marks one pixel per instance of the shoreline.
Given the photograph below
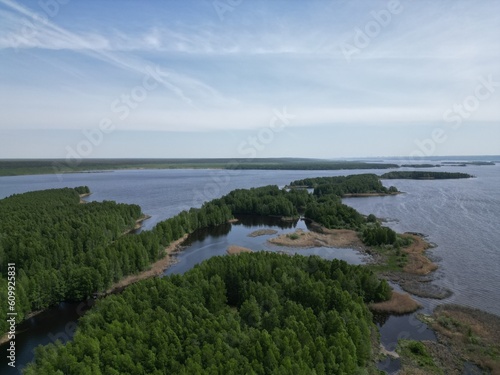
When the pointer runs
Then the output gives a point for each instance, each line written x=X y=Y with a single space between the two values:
x=138 y=223
x=156 y=268
x=235 y=250
x=467 y=338
x=363 y=195
x=82 y=201
x=414 y=277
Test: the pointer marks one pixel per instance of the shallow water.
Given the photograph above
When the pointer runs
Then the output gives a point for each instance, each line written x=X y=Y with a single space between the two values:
x=205 y=244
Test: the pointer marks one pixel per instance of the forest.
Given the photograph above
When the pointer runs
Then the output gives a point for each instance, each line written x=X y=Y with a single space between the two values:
x=424 y=175
x=65 y=251
x=344 y=185
x=258 y=313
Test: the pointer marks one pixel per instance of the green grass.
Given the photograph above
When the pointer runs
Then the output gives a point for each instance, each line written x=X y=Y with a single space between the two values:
x=415 y=354
x=394 y=259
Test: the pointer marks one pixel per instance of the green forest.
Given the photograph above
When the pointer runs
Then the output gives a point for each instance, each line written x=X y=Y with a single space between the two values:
x=343 y=185
x=65 y=250
x=259 y=313
x=424 y=175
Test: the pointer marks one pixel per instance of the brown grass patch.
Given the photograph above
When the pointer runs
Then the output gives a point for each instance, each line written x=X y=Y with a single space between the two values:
x=340 y=238
x=234 y=249
x=418 y=263
x=262 y=232
x=473 y=333
x=398 y=304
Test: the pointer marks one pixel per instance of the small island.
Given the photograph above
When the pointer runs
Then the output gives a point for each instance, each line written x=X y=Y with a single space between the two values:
x=362 y=185
x=424 y=175
x=420 y=165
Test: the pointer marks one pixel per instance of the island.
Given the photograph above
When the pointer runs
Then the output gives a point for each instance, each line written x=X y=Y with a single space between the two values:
x=361 y=185
x=255 y=312
x=423 y=175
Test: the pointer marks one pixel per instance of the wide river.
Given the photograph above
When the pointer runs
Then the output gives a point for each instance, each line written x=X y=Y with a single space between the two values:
x=462 y=217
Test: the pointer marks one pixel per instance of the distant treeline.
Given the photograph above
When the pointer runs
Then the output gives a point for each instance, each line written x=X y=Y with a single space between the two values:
x=59 y=166
x=259 y=313
x=316 y=165
x=478 y=162
x=420 y=165
x=422 y=175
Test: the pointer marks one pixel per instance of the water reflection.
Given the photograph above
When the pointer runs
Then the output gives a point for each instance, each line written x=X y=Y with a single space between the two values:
x=264 y=221
x=202 y=234
x=57 y=323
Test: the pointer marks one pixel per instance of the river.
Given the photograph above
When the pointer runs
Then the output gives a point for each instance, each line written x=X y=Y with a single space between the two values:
x=461 y=217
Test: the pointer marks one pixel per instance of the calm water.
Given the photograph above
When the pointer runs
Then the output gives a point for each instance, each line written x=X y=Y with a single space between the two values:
x=462 y=217
x=207 y=243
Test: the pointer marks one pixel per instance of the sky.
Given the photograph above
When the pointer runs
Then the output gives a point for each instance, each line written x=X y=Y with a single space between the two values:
x=249 y=78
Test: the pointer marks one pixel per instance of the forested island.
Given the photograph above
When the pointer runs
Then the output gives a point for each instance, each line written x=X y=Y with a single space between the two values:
x=423 y=165
x=65 y=250
x=251 y=313
x=346 y=186
x=424 y=175
x=465 y=163
x=259 y=313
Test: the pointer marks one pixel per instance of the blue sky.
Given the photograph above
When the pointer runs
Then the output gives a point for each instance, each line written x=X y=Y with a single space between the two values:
x=231 y=78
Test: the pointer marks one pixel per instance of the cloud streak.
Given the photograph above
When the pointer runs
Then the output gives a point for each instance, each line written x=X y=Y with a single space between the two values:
x=228 y=76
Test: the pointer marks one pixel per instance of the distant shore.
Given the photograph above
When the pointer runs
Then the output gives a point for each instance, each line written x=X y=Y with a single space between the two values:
x=362 y=195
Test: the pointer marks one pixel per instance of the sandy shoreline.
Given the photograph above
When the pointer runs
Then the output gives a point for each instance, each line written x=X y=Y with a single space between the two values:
x=82 y=201
x=138 y=223
x=133 y=278
x=413 y=278
x=156 y=268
